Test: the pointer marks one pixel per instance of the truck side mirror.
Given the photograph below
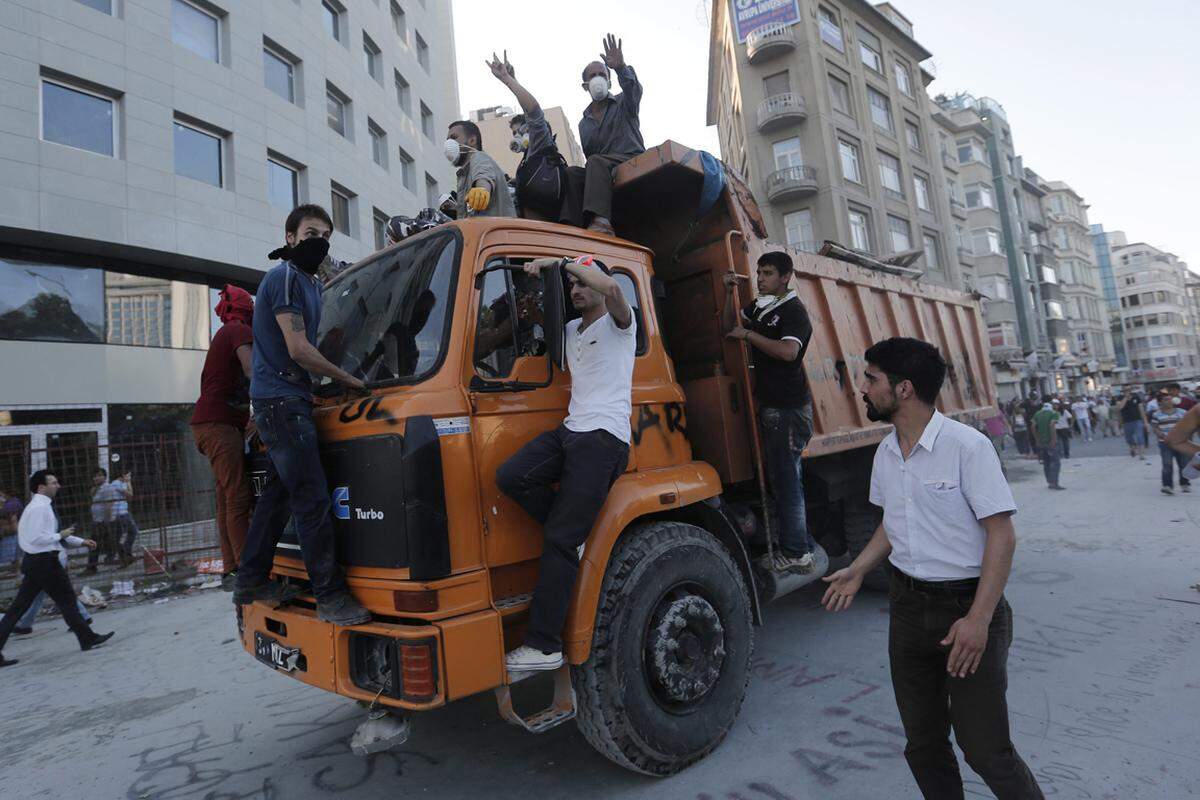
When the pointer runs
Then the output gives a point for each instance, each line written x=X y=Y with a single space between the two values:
x=555 y=317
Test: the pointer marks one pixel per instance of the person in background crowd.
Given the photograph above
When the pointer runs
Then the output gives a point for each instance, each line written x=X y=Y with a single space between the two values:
x=1062 y=428
x=776 y=327
x=1103 y=416
x=1045 y=437
x=219 y=423
x=947 y=531
x=1169 y=413
x=1020 y=430
x=482 y=185
x=288 y=315
x=42 y=541
x=1185 y=402
x=1082 y=410
x=104 y=497
x=610 y=131
x=10 y=512
x=125 y=529
x=1133 y=423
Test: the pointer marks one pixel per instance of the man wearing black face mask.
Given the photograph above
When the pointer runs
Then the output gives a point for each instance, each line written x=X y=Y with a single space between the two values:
x=288 y=313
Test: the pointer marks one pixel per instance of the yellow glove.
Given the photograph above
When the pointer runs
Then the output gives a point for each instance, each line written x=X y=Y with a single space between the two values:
x=478 y=199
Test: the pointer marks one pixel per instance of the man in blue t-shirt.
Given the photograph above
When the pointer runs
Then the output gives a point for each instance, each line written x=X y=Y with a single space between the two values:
x=287 y=315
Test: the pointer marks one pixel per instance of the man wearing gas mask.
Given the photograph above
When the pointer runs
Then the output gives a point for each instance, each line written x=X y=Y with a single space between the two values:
x=287 y=316
x=610 y=131
x=482 y=187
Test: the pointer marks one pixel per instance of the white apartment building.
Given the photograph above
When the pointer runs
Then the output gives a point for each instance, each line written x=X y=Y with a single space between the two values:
x=1157 y=314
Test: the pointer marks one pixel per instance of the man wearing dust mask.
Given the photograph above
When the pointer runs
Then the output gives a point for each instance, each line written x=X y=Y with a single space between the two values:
x=482 y=187
x=610 y=131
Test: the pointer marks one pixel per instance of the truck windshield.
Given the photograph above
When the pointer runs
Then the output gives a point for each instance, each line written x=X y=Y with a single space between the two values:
x=386 y=321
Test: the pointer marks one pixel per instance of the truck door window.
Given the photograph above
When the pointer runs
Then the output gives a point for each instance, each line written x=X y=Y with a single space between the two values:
x=629 y=289
x=503 y=336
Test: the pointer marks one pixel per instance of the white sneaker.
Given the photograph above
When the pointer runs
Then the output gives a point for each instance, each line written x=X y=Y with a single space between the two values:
x=530 y=659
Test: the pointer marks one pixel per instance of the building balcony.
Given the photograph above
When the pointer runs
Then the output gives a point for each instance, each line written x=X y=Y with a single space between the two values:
x=791 y=183
x=950 y=160
x=958 y=208
x=769 y=41
x=966 y=256
x=1037 y=225
x=781 y=109
x=806 y=247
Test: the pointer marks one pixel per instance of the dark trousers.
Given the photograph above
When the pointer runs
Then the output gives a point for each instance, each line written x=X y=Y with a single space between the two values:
x=1051 y=463
x=1064 y=441
x=125 y=531
x=106 y=544
x=931 y=702
x=295 y=487
x=598 y=185
x=585 y=465
x=785 y=433
x=44 y=573
x=1171 y=459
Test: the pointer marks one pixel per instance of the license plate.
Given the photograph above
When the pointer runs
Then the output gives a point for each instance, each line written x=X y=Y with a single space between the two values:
x=273 y=654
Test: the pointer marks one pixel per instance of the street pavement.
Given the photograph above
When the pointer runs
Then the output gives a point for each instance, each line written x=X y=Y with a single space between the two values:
x=1104 y=691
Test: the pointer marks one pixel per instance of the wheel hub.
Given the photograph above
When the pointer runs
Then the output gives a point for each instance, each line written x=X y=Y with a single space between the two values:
x=685 y=648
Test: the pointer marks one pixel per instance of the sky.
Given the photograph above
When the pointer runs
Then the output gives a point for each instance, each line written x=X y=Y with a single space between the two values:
x=1102 y=95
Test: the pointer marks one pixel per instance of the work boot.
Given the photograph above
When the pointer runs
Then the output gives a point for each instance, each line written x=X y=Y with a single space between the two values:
x=97 y=640
x=342 y=609
x=530 y=659
x=271 y=593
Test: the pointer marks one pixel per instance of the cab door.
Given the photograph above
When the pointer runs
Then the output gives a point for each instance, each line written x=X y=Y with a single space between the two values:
x=517 y=392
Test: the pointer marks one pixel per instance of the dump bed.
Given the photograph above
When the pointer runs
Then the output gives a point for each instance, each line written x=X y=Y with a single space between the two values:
x=657 y=204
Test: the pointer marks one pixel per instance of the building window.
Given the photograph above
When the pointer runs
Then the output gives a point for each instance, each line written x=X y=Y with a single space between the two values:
x=848 y=153
x=831 y=32
x=379 y=221
x=903 y=79
x=422 y=52
x=1049 y=275
x=431 y=191
x=881 y=110
x=930 y=246
x=339 y=207
x=869 y=50
x=198 y=154
x=1002 y=334
x=426 y=121
x=403 y=96
x=195 y=29
x=282 y=185
x=995 y=288
x=970 y=150
x=787 y=153
x=1054 y=310
x=901 y=234
x=336 y=104
x=889 y=174
x=986 y=242
x=279 y=74
x=49 y=303
x=860 y=230
x=839 y=96
x=332 y=15
x=912 y=134
x=980 y=196
x=372 y=59
x=78 y=118
x=921 y=189
x=407 y=171
x=378 y=143
x=103 y=6
x=798 y=227
x=399 y=23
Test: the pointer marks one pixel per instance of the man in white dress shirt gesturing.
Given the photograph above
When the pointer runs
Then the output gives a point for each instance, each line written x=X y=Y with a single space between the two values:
x=947 y=531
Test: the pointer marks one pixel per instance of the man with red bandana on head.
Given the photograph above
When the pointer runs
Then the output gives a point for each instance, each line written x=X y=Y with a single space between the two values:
x=219 y=422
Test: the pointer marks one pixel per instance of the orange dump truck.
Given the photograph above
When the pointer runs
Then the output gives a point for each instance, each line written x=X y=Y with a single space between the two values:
x=462 y=353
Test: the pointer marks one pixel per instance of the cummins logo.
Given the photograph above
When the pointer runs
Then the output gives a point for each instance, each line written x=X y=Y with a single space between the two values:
x=343 y=510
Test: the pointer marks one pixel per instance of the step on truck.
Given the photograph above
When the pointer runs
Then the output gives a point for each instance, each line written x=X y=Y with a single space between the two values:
x=463 y=356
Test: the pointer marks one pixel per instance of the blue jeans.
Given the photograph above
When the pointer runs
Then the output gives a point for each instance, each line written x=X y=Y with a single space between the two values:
x=1170 y=459
x=295 y=488
x=785 y=433
x=26 y=620
x=1051 y=464
x=8 y=550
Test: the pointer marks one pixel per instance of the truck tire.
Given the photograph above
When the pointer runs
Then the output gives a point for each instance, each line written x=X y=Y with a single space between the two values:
x=860 y=519
x=670 y=655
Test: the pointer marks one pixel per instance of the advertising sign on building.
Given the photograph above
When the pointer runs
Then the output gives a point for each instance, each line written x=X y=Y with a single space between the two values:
x=749 y=15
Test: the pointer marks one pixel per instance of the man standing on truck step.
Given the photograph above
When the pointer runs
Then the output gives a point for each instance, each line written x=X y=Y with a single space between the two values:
x=610 y=131
x=585 y=454
x=219 y=423
x=777 y=328
x=482 y=187
x=284 y=353
x=947 y=529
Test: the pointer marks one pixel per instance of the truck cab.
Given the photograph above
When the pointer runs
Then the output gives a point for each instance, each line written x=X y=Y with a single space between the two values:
x=463 y=356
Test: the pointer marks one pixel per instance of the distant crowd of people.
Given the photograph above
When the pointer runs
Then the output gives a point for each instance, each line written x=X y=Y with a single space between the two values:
x=1043 y=426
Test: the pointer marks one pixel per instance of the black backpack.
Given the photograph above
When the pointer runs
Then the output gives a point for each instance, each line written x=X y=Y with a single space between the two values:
x=542 y=181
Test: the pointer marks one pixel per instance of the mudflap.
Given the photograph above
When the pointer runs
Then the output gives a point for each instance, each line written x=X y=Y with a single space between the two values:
x=560 y=710
x=772 y=586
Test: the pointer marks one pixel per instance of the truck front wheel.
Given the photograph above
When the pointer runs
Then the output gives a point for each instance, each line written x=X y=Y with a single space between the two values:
x=671 y=650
